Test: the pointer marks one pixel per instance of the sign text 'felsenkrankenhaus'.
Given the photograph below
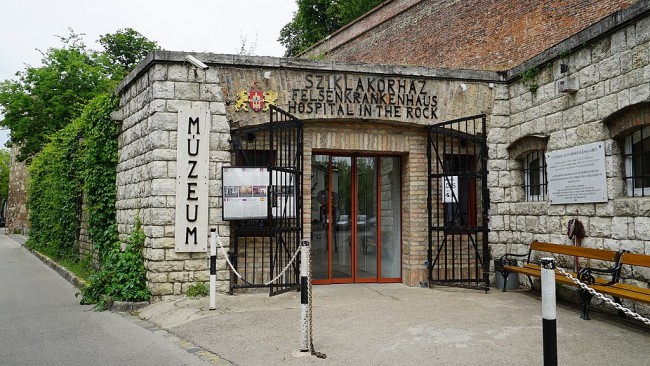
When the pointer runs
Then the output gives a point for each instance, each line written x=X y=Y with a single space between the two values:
x=332 y=95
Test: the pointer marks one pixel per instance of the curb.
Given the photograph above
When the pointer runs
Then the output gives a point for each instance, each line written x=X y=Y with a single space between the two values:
x=67 y=275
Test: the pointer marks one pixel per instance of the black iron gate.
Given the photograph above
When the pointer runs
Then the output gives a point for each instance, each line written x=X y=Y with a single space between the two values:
x=264 y=247
x=458 y=203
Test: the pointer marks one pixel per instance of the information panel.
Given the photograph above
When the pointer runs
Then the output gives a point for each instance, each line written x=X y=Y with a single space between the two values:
x=577 y=174
x=247 y=191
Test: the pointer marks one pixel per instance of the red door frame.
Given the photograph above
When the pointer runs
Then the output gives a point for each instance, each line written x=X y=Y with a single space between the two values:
x=353 y=223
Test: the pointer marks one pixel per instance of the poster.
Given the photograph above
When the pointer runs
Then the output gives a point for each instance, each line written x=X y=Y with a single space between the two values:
x=247 y=193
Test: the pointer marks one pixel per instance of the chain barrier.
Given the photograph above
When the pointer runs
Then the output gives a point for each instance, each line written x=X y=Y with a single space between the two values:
x=311 y=336
x=223 y=250
x=607 y=300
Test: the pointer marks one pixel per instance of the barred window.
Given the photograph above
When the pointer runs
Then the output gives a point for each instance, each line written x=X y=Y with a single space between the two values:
x=637 y=163
x=535 y=176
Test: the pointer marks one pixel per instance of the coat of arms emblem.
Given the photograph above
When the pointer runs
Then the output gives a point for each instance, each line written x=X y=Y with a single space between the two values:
x=256 y=98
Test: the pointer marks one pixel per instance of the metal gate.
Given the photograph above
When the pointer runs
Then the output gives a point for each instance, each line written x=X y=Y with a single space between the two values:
x=263 y=248
x=458 y=203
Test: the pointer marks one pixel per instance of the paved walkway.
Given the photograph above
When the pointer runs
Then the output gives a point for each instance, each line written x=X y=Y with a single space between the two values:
x=42 y=323
x=369 y=324
x=391 y=324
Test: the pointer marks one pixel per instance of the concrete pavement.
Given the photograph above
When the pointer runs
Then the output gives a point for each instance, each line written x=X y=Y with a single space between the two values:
x=369 y=324
x=42 y=323
x=391 y=324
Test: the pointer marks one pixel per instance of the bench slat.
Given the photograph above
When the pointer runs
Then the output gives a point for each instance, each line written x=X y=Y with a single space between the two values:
x=614 y=290
x=636 y=259
x=583 y=252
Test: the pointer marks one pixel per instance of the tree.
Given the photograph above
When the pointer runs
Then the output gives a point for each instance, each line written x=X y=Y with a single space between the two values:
x=315 y=19
x=45 y=99
x=124 y=49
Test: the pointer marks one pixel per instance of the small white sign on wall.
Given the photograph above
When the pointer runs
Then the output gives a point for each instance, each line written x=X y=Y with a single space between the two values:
x=450 y=189
x=192 y=179
x=577 y=174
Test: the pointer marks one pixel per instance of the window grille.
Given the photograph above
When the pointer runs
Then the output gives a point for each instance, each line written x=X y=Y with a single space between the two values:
x=637 y=163
x=535 y=176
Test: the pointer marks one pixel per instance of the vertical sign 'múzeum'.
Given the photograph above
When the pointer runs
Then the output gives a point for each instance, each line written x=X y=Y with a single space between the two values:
x=192 y=169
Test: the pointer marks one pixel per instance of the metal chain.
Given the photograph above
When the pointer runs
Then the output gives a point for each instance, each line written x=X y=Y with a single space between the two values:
x=223 y=250
x=607 y=300
x=309 y=300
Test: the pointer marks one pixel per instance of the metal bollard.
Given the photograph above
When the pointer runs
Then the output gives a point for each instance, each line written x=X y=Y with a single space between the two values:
x=304 y=295
x=549 y=312
x=213 y=269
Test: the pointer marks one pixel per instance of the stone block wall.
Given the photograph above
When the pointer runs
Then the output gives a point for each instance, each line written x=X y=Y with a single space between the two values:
x=613 y=73
x=17 y=214
x=147 y=169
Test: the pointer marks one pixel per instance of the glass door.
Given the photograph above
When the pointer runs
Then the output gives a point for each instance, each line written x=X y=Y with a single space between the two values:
x=361 y=242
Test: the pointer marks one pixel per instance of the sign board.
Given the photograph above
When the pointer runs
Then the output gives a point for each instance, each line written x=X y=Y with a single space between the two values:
x=247 y=193
x=577 y=174
x=450 y=189
x=192 y=170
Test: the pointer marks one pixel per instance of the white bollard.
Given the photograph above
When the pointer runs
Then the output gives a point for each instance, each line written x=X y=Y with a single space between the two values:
x=304 y=295
x=213 y=269
x=549 y=312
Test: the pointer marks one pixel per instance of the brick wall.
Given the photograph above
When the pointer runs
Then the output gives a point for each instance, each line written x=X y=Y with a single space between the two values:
x=479 y=34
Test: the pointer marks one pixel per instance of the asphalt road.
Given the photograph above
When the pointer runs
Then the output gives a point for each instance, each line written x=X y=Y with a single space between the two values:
x=42 y=323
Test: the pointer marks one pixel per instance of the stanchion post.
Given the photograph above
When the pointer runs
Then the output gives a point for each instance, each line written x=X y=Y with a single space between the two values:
x=213 y=269
x=304 y=295
x=549 y=312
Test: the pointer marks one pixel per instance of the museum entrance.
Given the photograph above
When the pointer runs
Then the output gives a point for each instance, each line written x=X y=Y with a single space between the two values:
x=356 y=218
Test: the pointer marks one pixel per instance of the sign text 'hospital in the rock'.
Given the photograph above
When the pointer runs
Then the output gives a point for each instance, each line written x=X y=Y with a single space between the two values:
x=364 y=97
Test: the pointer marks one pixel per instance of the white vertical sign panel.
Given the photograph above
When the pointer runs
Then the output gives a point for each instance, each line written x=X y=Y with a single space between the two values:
x=450 y=189
x=192 y=179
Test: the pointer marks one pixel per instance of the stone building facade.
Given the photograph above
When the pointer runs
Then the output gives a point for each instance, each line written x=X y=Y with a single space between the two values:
x=585 y=83
x=165 y=83
x=610 y=66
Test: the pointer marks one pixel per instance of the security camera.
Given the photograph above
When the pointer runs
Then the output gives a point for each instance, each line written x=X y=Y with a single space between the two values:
x=194 y=61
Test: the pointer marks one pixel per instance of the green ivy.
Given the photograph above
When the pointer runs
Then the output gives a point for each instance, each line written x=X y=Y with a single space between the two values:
x=80 y=162
x=122 y=276
x=54 y=196
x=99 y=162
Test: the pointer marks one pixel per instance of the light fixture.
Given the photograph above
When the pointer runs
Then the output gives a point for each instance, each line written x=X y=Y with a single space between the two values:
x=194 y=61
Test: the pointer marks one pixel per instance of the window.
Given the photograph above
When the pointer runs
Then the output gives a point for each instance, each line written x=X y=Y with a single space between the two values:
x=535 y=176
x=637 y=163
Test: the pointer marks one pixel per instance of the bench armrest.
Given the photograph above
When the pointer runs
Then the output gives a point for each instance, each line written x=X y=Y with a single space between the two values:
x=507 y=259
x=586 y=274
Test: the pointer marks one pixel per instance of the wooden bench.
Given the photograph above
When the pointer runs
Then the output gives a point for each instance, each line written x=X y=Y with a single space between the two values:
x=617 y=289
x=530 y=269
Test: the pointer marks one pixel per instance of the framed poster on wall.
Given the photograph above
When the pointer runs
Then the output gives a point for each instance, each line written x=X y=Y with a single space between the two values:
x=248 y=192
x=245 y=193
